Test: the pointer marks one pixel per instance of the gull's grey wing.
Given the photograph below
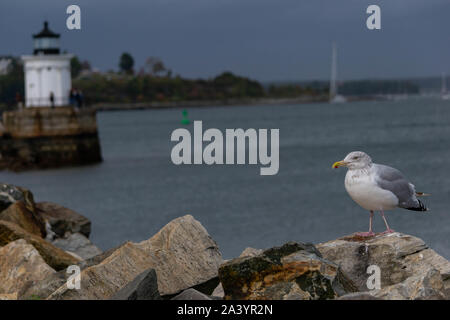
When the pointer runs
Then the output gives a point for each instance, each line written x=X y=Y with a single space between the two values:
x=391 y=179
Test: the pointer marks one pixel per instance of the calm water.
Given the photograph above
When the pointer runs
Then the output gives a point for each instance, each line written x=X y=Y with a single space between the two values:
x=137 y=189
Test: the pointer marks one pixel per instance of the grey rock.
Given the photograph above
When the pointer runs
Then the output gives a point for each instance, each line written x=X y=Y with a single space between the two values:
x=100 y=257
x=191 y=294
x=251 y=252
x=78 y=244
x=182 y=253
x=143 y=287
x=50 y=235
x=218 y=292
x=10 y=194
x=427 y=286
x=405 y=263
x=358 y=296
x=63 y=220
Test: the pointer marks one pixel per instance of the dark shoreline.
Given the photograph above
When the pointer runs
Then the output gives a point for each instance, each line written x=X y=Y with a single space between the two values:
x=222 y=103
x=205 y=103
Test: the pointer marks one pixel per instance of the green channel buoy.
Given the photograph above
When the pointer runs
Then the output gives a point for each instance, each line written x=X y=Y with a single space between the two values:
x=185 y=119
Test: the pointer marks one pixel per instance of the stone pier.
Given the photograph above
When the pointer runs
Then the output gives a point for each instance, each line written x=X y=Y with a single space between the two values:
x=44 y=137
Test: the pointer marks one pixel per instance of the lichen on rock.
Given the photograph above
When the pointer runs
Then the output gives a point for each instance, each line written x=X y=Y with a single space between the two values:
x=292 y=271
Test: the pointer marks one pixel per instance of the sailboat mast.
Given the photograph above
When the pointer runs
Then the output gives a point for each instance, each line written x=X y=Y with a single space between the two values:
x=444 y=83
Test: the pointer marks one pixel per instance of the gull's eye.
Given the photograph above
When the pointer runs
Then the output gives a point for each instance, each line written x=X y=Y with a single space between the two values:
x=355 y=157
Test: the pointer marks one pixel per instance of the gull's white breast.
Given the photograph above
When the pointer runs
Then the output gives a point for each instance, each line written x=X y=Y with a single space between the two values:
x=362 y=188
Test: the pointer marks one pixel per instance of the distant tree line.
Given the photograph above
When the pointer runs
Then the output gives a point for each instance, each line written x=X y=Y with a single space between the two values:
x=155 y=82
x=146 y=88
x=374 y=87
x=12 y=84
x=294 y=90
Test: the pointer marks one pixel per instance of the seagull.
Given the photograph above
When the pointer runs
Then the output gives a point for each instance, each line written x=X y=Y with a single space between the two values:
x=377 y=187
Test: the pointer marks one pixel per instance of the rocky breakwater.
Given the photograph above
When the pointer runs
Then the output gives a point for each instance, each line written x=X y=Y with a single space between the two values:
x=35 y=239
x=48 y=137
x=339 y=269
x=40 y=240
x=409 y=269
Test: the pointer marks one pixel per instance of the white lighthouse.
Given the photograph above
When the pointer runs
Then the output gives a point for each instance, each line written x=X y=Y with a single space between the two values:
x=47 y=72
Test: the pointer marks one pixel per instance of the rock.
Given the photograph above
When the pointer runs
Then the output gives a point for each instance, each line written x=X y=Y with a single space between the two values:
x=63 y=220
x=53 y=256
x=20 y=262
x=358 y=296
x=292 y=271
x=398 y=256
x=103 y=280
x=8 y=296
x=10 y=194
x=182 y=254
x=143 y=287
x=194 y=257
x=41 y=289
x=251 y=252
x=248 y=252
x=50 y=236
x=78 y=244
x=74 y=255
x=218 y=292
x=101 y=257
x=191 y=294
x=27 y=219
x=427 y=286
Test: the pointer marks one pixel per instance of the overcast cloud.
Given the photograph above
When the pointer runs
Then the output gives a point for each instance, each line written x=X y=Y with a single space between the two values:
x=266 y=40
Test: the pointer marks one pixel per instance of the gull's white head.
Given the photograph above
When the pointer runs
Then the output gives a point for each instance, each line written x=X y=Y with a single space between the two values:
x=354 y=160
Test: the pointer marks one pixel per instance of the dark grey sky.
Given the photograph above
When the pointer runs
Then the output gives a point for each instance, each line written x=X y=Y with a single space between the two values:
x=264 y=39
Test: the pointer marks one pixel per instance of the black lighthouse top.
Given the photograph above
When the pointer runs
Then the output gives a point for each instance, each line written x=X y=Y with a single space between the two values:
x=46 y=41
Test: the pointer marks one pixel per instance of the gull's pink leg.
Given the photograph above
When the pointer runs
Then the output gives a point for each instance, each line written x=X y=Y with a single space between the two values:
x=370 y=232
x=388 y=230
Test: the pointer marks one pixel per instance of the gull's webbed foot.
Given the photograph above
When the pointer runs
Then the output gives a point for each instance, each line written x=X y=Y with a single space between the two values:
x=365 y=234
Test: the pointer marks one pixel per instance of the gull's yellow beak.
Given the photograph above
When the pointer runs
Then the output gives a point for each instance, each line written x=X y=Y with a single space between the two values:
x=338 y=164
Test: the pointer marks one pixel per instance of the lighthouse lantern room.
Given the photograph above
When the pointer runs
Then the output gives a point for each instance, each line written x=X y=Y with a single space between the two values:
x=47 y=72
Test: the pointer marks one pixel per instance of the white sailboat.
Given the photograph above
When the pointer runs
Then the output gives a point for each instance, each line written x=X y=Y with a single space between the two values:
x=445 y=95
x=334 y=96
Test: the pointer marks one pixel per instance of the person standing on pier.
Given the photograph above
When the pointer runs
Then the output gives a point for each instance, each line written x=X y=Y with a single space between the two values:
x=79 y=98
x=52 y=99
x=72 y=97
